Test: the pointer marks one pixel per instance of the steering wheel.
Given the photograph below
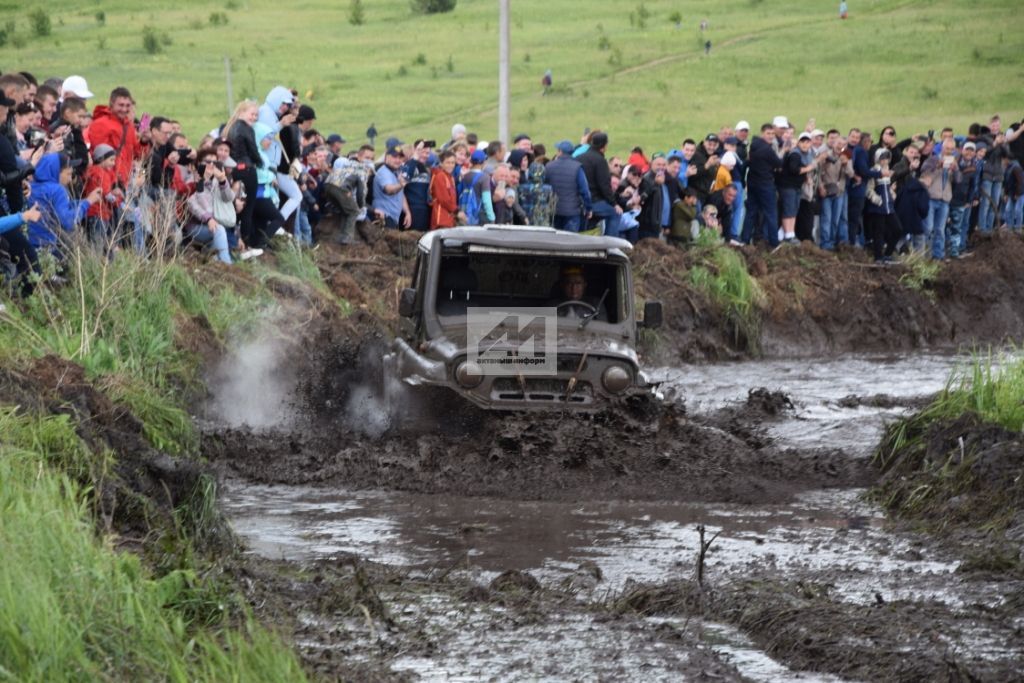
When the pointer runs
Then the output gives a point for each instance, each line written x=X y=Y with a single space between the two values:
x=591 y=310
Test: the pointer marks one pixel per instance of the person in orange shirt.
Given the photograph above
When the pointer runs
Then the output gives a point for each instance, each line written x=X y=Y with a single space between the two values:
x=444 y=205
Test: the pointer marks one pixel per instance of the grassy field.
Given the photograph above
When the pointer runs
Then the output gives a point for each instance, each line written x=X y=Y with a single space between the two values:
x=623 y=66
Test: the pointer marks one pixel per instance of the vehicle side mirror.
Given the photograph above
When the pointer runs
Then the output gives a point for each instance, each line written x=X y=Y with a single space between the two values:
x=407 y=302
x=652 y=315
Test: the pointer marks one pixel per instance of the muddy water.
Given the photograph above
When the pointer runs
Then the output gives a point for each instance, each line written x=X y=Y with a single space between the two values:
x=832 y=535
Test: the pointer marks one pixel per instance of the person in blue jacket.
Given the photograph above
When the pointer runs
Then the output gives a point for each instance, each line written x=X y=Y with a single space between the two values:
x=20 y=252
x=59 y=212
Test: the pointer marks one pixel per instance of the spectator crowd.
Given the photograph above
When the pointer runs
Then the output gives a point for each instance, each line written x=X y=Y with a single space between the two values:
x=69 y=167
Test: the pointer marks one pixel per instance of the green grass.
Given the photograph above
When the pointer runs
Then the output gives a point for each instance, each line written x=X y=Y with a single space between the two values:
x=73 y=609
x=929 y=460
x=915 y=64
x=722 y=275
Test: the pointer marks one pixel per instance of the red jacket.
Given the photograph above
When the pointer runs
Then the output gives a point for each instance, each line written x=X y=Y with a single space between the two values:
x=107 y=129
x=445 y=205
x=105 y=179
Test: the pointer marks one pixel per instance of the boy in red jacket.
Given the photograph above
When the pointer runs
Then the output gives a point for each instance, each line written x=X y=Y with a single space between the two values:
x=101 y=174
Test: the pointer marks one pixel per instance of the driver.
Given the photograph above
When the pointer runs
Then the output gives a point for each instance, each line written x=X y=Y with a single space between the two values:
x=573 y=302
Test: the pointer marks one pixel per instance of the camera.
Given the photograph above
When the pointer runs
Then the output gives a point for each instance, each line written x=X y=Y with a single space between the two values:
x=219 y=165
x=183 y=156
x=36 y=137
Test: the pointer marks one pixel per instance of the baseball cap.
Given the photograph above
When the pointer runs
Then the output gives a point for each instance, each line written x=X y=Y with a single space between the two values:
x=306 y=113
x=970 y=145
x=457 y=130
x=742 y=125
x=675 y=154
x=565 y=147
x=334 y=137
x=804 y=136
x=817 y=133
x=393 y=142
x=732 y=140
x=711 y=137
x=478 y=157
x=102 y=152
x=76 y=85
x=780 y=122
x=395 y=150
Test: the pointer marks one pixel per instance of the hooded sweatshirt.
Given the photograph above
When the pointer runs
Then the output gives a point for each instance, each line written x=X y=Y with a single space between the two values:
x=269 y=117
x=56 y=206
x=265 y=175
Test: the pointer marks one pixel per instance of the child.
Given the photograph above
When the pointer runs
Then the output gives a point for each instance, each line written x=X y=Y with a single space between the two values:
x=102 y=175
x=59 y=212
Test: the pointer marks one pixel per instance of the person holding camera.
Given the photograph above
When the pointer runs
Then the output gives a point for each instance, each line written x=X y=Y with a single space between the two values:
x=60 y=213
x=212 y=217
x=100 y=216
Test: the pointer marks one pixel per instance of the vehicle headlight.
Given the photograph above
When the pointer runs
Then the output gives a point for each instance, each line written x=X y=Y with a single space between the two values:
x=616 y=379
x=469 y=374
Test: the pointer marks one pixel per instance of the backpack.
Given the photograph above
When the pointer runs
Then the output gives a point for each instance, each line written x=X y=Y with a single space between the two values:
x=469 y=201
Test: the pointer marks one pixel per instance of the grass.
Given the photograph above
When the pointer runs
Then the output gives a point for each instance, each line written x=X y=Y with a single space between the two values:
x=74 y=609
x=934 y=458
x=722 y=275
x=921 y=272
x=914 y=64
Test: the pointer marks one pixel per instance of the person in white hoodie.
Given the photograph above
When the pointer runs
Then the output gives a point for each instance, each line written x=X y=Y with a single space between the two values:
x=280 y=109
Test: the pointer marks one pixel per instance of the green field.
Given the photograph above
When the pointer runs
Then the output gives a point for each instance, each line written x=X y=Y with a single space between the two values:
x=622 y=66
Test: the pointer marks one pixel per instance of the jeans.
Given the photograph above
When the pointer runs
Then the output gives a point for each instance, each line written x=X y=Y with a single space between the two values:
x=218 y=238
x=568 y=223
x=761 y=204
x=855 y=219
x=303 y=230
x=603 y=209
x=289 y=188
x=831 y=219
x=959 y=220
x=1014 y=215
x=987 y=211
x=935 y=226
x=738 y=212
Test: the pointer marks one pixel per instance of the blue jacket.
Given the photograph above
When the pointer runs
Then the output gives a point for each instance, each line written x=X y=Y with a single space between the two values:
x=861 y=168
x=56 y=206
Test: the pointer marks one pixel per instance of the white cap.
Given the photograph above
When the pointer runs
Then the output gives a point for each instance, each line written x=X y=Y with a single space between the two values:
x=457 y=130
x=729 y=159
x=742 y=125
x=780 y=122
x=482 y=144
x=817 y=133
x=76 y=85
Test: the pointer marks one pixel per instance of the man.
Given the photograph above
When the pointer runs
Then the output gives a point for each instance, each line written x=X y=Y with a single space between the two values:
x=687 y=169
x=836 y=170
x=568 y=181
x=658 y=191
x=964 y=196
x=75 y=86
x=938 y=175
x=389 y=203
x=573 y=301
x=856 y=188
x=46 y=100
x=495 y=151
x=762 y=166
x=416 y=184
x=114 y=125
x=69 y=125
x=992 y=178
x=724 y=201
x=705 y=161
x=524 y=143
x=599 y=181
x=335 y=142
x=160 y=131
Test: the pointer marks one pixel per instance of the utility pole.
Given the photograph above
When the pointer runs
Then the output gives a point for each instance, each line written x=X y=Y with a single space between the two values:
x=503 y=72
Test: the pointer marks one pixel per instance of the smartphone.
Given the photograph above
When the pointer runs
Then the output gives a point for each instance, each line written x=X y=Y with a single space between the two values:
x=144 y=122
x=586 y=131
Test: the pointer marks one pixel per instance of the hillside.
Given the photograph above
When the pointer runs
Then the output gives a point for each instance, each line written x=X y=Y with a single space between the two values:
x=626 y=67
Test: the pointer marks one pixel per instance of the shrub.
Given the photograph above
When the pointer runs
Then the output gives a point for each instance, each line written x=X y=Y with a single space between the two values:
x=356 y=13
x=101 y=17
x=432 y=6
x=150 y=40
x=218 y=19
x=39 y=20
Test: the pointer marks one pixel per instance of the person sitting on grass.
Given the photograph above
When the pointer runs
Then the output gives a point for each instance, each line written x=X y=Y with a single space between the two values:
x=212 y=207
x=59 y=213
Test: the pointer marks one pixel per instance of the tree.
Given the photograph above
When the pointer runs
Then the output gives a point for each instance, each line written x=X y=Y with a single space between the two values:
x=433 y=6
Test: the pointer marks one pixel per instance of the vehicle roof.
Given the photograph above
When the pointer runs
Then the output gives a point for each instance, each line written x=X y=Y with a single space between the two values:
x=534 y=238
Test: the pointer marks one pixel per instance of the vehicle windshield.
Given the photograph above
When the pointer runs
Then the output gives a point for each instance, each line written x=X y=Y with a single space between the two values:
x=487 y=280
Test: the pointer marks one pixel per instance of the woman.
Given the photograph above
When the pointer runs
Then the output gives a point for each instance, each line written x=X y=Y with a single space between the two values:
x=239 y=133
x=881 y=224
x=444 y=204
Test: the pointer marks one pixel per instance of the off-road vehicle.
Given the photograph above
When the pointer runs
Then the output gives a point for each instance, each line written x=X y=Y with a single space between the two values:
x=463 y=275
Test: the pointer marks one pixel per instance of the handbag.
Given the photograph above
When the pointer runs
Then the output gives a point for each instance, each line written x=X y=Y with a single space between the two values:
x=224 y=213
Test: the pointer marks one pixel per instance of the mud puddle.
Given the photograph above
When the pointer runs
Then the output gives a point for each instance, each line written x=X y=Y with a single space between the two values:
x=592 y=549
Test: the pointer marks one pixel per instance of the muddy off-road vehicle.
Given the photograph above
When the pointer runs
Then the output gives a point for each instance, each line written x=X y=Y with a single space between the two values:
x=521 y=318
